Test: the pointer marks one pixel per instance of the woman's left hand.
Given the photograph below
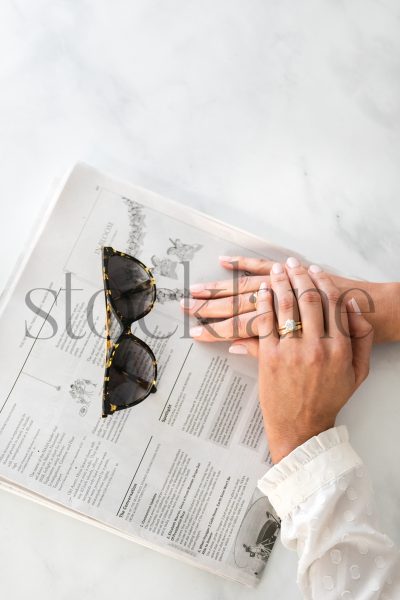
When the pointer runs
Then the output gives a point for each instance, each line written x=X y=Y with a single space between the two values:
x=231 y=301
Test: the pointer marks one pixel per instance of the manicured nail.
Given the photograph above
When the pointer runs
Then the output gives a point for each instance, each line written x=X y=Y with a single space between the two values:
x=196 y=331
x=277 y=268
x=197 y=287
x=238 y=349
x=187 y=303
x=292 y=262
x=228 y=259
x=314 y=269
x=354 y=305
x=263 y=287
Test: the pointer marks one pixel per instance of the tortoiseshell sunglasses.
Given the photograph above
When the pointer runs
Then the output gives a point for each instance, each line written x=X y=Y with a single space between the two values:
x=131 y=367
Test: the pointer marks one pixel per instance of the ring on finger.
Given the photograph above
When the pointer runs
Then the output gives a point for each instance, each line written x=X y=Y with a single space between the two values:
x=289 y=326
x=253 y=299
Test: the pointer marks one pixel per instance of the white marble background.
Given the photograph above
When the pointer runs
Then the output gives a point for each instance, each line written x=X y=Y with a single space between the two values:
x=280 y=116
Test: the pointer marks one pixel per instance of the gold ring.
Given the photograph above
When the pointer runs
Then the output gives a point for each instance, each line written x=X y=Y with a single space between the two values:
x=253 y=299
x=290 y=326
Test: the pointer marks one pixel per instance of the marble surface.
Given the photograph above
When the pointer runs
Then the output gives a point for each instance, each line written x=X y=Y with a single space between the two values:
x=279 y=116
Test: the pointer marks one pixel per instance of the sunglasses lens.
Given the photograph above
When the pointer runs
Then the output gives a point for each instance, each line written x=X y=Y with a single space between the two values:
x=131 y=374
x=132 y=293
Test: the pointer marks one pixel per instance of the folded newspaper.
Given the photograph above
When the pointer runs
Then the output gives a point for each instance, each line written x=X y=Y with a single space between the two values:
x=178 y=472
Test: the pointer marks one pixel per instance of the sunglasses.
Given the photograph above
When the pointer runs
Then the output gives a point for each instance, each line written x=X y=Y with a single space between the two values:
x=131 y=367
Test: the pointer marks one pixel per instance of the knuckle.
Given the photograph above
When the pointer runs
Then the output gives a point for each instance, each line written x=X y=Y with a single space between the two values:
x=363 y=331
x=340 y=351
x=244 y=282
x=214 y=287
x=240 y=328
x=235 y=304
x=311 y=296
x=367 y=330
x=296 y=358
x=333 y=295
x=322 y=276
x=286 y=301
x=316 y=354
x=200 y=309
x=264 y=318
x=279 y=277
x=262 y=262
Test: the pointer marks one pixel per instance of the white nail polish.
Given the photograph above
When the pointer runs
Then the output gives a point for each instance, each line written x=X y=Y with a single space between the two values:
x=314 y=269
x=355 y=307
x=197 y=287
x=196 y=331
x=228 y=259
x=238 y=349
x=292 y=262
x=277 y=268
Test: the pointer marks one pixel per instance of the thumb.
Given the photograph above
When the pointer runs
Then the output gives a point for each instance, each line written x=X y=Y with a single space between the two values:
x=245 y=346
x=362 y=335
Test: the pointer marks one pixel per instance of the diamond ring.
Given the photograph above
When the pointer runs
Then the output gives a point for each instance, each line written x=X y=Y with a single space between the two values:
x=289 y=326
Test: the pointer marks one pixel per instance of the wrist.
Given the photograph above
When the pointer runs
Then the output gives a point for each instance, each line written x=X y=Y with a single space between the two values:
x=379 y=304
x=282 y=444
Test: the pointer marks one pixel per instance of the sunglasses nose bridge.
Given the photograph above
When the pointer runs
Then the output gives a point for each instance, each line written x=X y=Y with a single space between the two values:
x=113 y=301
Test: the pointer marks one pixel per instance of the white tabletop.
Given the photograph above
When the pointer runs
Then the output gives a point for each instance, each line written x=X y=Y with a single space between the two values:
x=281 y=117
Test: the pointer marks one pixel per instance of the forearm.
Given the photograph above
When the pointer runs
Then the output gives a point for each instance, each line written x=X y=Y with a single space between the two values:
x=323 y=496
x=380 y=304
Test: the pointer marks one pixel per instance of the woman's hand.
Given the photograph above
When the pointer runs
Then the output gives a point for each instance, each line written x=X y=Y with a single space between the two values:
x=305 y=377
x=231 y=301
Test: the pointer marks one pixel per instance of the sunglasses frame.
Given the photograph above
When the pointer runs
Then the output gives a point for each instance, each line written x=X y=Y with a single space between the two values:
x=111 y=347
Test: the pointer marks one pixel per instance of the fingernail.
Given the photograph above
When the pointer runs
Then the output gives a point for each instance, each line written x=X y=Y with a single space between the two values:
x=228 y=259
x=238 y=349
x=277 y=268
x=292 y=262
x=355 y=307
x=187 y=303
x=196 y=331
x=314 y=269
x=263 y=287
x=197 y=287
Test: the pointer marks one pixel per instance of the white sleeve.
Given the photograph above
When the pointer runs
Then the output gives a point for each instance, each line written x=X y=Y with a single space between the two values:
x=323 y=495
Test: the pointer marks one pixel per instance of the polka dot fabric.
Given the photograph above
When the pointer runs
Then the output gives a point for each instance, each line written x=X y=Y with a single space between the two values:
x=323 y=495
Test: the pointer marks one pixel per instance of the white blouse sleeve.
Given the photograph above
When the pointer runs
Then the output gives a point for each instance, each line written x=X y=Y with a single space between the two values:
x=323 y=495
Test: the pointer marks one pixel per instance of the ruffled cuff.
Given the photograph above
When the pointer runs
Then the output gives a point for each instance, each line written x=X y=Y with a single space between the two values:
x=319 y=461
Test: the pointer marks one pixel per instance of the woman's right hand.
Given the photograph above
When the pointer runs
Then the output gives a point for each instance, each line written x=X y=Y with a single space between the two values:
x=307 y=376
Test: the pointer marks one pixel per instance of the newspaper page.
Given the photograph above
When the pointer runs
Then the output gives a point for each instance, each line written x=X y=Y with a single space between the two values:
x=177 y=472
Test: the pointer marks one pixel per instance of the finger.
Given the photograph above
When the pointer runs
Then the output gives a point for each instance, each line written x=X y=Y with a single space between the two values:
x=239 y=326
x=334 y=308
x=308 y=299
x=220 y=308
x=229 y=287
x=258 y=266
x=247 y=347
x=285 y=302
x=362 y=336
x=266 y=322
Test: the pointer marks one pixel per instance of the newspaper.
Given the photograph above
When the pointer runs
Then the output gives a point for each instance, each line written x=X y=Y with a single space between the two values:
x=178 y=472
